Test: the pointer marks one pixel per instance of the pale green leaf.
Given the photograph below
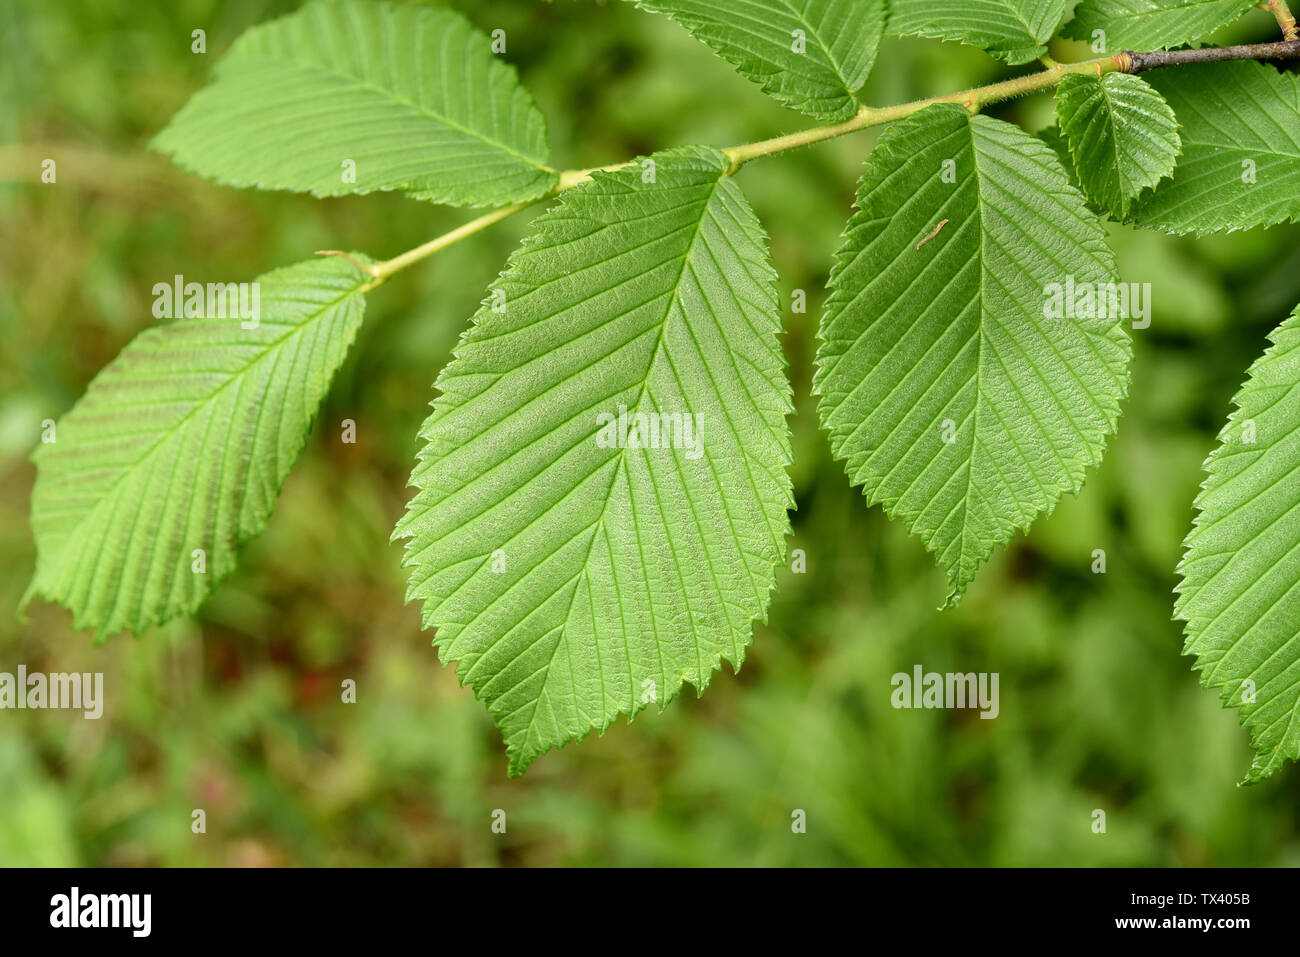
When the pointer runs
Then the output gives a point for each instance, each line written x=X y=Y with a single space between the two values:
x=1122 y=134
x=1150 y=24
x=1240 y=129
x=1016 y=31
x=352 y=96
x=812 y=55
x=948 y=390
x=574 y=580
x=182 y=443
x=1240 y=588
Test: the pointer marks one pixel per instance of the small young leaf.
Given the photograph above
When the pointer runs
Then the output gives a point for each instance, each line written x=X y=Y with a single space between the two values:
x=1122 y=134
x=1241 y=150
x=812 y=55
x=181 y=444
x=1150 y=24
x=953 y=392
x=1241 y=571
x=346 y=96
x=575 y=566
x=1015 y=31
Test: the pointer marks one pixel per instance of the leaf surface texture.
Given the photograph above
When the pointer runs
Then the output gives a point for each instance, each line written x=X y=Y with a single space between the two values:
x=181 y=443
x=951 y=396
x=413 y=98
x=811 y=55
x=575 y=578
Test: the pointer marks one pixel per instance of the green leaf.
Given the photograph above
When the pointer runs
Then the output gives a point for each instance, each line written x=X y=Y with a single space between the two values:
x=950 y=393
x=574 y=580
x=182 y=442
x=811 y=55
x=1241 y=150
x=1122 y=135
x=1015 y=31
x=1151 y=24
x=1241 y=570
x=404 y=97
x=1057 y=143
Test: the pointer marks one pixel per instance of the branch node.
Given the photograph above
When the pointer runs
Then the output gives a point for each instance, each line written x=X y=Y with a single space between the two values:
x=1285 y=19
x=370 y=269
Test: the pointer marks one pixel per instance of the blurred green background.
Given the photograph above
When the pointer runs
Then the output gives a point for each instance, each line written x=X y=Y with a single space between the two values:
x=238 y=712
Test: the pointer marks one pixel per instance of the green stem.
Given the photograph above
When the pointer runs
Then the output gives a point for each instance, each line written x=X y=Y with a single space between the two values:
x=1285 y=19
x=868 y=116
x=386 y=268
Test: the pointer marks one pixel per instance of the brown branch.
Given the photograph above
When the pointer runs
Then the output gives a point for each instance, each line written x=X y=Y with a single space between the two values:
x=1281 y=50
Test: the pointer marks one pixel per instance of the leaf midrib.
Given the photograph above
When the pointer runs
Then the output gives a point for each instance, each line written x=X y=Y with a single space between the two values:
x=311 y=67
x=1140 y=17
x=173 y=428
x=621 y=464
x=835 y=67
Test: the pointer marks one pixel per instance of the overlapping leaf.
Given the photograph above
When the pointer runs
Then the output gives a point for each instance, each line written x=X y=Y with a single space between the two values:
x=954 y=395
x=1016 y=31
x=1058 y=144
x=812 y=55
x=1241 y=149
x=575 y=567
x=182 y=443
x=352 y=96
x=1151 y=24
x=1240 y=588
x=1123 y=136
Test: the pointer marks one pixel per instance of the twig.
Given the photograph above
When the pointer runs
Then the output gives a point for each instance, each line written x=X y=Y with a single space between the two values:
x=1281 y=50
x=1285 y=19
x=867 y=116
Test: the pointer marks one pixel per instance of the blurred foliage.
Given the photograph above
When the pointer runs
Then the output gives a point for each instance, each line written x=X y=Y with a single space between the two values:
x=239 y=713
